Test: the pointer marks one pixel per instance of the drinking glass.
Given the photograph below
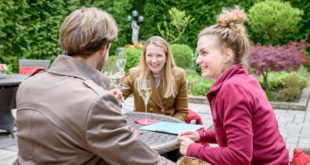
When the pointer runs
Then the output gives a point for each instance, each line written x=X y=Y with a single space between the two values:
x=121 y=63
x=146 y=92
x=114 y=76
x=121 y=59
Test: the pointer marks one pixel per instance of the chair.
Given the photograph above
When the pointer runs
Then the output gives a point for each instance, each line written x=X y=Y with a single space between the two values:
x=193 y=118
x=31 y=67
x=7 y=99
x=301 y=156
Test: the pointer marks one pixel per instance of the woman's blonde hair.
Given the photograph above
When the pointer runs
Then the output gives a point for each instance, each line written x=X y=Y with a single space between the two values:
x=87 y=30
x=167 y=73
x=231 y=32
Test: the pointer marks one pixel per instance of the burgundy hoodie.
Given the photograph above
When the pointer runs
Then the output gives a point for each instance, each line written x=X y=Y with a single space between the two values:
x=245 y=126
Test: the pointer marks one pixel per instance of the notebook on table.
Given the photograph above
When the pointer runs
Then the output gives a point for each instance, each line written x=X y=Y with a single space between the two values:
x=170 y=127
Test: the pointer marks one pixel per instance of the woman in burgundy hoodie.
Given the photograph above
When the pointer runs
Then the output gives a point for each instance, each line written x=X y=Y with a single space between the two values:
x=245 y=126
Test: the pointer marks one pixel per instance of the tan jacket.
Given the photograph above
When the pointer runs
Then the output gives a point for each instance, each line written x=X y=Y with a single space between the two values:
x=176 y=107
x=64 y=116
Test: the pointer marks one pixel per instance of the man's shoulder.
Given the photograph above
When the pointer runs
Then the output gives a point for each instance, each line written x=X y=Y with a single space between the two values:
x=87 y=87
x=32 y=80
x=95 y=88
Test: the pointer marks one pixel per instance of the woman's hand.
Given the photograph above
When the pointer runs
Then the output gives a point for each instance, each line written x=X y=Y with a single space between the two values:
x=185 y=142
x=118 y=94
x=193 y=135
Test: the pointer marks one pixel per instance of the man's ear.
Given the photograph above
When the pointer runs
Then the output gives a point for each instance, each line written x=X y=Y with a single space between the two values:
x=102 y=50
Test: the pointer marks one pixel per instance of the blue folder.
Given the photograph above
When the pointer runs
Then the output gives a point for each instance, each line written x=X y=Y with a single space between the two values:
x=170 y=127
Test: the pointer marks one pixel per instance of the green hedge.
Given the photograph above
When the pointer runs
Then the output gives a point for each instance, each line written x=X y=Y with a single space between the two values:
x=182 y=54
x=133 y=57
x=29 y=28
x=199 y=86
x=284 y=86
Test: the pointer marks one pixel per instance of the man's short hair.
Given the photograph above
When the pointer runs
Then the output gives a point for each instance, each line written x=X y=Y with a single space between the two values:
x=86 y=30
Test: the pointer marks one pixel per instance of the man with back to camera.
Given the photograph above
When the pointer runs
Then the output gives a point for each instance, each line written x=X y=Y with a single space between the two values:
x=67 y=115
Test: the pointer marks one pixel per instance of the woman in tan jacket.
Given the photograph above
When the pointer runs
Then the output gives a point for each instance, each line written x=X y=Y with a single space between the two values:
x=168 y=82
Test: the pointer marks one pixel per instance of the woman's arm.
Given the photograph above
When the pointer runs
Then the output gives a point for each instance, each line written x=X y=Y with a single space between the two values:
x=181 y=100
x=207 y=135
x=128 y=82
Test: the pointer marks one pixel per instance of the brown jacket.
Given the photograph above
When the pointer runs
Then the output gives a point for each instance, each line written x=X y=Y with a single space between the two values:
x=176 y=107
x=66 y=116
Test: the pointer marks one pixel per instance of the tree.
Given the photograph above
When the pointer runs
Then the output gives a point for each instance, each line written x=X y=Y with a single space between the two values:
x=274 y=18
x=173 y=30
x=264 y=59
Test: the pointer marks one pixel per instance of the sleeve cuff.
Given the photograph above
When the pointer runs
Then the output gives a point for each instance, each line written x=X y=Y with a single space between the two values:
x=193 y=149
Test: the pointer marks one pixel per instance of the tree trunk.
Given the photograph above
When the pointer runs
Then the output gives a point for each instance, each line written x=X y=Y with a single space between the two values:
x=265 y=78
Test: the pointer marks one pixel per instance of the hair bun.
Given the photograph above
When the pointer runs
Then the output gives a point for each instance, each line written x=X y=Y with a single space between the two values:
x=232 y=18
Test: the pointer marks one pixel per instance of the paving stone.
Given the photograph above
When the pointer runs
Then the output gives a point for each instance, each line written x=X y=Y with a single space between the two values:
x=12 y=148
x=8 y=160
x=293 y=131
x=7 y=154
x=304 y=140
x=280 y=111
x=299 y=120
x=291 y=145
x=292 y=139
x=305 y=131
x=303 y=145
x=305 y=136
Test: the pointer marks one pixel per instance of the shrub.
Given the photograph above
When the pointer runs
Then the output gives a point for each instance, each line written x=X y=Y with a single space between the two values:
x=286 y=86
x=274 y=19
x=195 y=66
x=182 y=54
x=133 y=56
x=264 y=59
x=292 y=90
x=199 y=85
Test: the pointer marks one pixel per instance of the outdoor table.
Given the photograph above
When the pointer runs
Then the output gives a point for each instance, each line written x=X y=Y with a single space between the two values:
x=160 y=142
x=8 y=87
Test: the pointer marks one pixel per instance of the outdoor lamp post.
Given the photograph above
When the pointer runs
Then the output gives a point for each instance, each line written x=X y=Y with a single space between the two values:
x=135 y=18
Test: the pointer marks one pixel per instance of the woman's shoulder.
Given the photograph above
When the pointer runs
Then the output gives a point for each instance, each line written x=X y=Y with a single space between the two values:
x=134 y=72
x=179 y=72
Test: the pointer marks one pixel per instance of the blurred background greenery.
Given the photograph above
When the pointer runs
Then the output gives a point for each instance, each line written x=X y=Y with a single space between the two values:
x=29 y=29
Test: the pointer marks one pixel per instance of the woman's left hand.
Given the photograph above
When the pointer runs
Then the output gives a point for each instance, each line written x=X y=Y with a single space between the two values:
x=185 y=142
x=118 y=94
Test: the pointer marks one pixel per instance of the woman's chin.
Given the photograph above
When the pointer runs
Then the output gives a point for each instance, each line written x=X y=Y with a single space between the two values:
x=206 y=75
x=155 y=71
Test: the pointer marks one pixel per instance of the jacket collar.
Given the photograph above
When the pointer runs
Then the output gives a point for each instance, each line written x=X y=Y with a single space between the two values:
x=70 y=66
x=156 y=91
x=230 y=72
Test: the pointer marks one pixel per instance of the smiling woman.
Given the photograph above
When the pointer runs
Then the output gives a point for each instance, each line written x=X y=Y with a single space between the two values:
x=169 y=92
x=245 y=126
